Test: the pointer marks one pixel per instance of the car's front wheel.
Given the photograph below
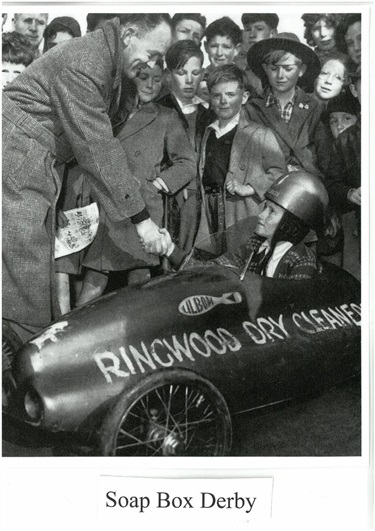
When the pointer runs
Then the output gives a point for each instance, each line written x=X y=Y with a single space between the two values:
x=11 y=343
x=170 y=413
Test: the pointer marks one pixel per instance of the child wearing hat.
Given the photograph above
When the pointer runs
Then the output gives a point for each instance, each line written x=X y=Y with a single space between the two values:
x=342 y=112
x=344 y=172
x=294 y=204
x=344 y=180
x=287 y=66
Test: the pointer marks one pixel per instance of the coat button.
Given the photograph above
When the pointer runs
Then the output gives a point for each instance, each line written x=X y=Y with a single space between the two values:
x=137 y=153
x=242 y=167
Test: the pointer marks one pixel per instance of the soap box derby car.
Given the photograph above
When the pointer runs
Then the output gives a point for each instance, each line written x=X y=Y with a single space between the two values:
x=157 y=369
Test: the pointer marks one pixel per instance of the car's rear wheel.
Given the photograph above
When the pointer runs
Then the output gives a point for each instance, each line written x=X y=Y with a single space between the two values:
x=170 y=413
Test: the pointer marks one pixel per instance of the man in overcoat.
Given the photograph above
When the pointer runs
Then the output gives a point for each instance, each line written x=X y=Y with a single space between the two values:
x=58 y=109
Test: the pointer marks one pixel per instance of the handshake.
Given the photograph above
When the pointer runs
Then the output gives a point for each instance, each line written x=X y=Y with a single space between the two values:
x=153 y=239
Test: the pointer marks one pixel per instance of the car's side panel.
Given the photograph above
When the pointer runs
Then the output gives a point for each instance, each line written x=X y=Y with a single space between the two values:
x=257 y=341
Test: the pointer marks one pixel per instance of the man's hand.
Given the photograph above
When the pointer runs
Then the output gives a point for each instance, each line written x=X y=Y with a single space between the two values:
x=153 y=241
x=160 y=185
x=332 y=226
x=62 y=220
x=354 y=196
x=244 y=190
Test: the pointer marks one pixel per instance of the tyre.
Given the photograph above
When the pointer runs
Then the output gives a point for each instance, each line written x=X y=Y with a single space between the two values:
x=170 y=413
x=10 y=344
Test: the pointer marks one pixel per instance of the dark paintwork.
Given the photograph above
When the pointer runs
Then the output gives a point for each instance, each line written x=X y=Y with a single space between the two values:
x=75 y=391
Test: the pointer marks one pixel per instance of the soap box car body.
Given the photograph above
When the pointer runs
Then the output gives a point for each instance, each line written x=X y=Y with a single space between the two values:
x=158 y=368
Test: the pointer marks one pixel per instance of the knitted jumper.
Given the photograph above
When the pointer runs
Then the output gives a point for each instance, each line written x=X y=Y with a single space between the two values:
x=298 y=263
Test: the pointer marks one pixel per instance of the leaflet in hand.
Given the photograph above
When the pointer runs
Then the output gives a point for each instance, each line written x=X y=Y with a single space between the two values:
x=80 y=231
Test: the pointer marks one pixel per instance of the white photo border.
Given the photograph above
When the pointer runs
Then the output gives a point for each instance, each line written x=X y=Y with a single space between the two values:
x=351 y=478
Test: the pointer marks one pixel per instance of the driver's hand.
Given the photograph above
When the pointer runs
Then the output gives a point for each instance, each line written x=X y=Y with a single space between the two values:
x=153 y=241
x=62 y=220
x=354 y=196
x=244 y=190
x=171 y=245
x=333 y=225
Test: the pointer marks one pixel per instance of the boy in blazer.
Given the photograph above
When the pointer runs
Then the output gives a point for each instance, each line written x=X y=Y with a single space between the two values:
x=239 y=161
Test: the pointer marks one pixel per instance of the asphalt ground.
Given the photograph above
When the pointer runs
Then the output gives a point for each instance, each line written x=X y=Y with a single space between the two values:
x=324 y=425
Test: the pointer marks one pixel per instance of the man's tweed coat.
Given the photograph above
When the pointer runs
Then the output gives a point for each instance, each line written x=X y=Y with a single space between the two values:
x=58 y=108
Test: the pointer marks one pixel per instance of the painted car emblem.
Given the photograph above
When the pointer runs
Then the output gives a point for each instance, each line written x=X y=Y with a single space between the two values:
x=198 y=304
x=49 y=334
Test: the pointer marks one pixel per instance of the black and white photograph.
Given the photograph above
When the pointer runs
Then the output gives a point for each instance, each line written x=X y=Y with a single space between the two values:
x=186 y=258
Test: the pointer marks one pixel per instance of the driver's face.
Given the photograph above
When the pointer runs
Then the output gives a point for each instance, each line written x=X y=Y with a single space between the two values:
x=142 y=48
x=268 y=219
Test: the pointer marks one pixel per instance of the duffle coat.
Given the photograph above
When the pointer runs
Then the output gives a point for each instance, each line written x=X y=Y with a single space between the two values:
x=255 y=159
x=156 y=144
x=58 y=108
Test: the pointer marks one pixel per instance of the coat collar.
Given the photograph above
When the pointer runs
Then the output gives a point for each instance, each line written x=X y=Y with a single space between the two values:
x=246 y=128
x=142 y=118
x=170 y=101
x=289 y=132
x=112 y=35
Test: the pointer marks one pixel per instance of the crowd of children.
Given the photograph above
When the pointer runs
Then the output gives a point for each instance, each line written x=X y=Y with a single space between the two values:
x=211 y=147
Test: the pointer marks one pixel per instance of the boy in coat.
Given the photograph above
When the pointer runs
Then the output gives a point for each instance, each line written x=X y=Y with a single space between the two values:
x=165 y=167
x=184 y=61
x=286 y=65
x=344 y=181
x=239 y=161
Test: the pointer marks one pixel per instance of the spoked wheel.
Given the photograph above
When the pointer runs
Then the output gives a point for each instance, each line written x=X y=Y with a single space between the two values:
x=10 y=344
x=170 y=413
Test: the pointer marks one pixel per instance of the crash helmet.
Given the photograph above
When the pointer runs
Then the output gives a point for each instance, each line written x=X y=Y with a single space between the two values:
x=303 y=195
